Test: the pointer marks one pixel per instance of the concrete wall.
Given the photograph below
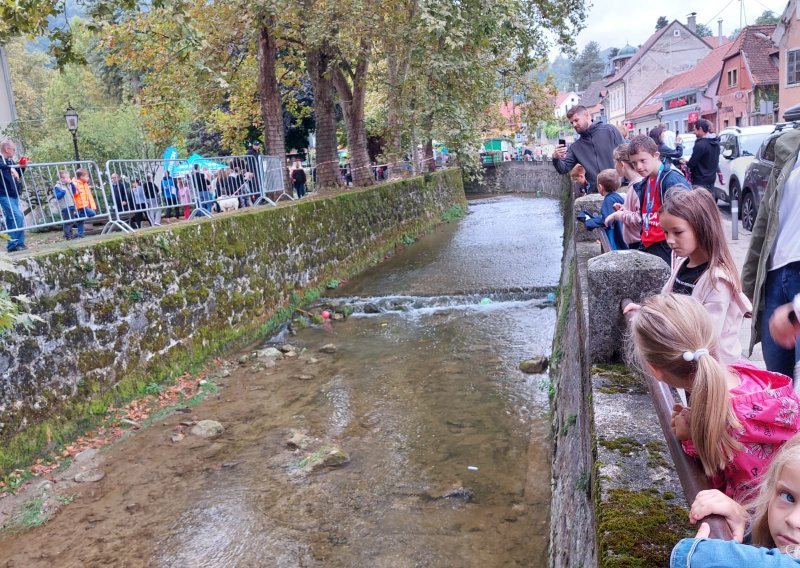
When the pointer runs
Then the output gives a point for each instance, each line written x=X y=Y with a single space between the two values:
x=129 y=310
x=518 y=177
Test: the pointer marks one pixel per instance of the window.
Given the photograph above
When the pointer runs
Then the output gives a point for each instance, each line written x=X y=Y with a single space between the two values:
x=733 y=78
x=793 y=67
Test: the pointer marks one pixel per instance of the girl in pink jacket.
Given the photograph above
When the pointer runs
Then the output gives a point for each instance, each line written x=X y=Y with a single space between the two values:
x=703 y=266
x=740 y=415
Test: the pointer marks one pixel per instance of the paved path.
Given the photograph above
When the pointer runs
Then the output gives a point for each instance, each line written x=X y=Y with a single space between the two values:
x=739 y=250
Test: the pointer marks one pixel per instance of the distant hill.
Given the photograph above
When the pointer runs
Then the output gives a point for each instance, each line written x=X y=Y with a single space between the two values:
x=71 y=10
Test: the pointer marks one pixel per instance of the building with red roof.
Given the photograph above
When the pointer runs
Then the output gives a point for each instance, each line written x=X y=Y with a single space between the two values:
x=750 y=75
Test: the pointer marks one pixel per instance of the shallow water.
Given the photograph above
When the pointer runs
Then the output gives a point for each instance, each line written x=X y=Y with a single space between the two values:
x=448 y=441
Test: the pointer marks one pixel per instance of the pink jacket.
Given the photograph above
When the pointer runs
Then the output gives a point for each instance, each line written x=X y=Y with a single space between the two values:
x=630 y=217
x=769 y=411
x=727 y=308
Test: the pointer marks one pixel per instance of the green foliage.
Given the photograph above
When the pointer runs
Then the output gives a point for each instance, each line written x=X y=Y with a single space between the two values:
x=767 y=17
x=455 y=213
x=332 y=284
x=703 y=30
x=662 y=22
x=153 y=389
x=588 y=66
x=13 y=312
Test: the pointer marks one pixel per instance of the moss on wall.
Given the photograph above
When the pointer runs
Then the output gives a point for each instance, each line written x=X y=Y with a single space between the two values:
x=130 y=310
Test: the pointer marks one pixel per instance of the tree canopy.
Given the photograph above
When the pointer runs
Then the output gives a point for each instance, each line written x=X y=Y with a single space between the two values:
x=588 y=66
x=200 y=73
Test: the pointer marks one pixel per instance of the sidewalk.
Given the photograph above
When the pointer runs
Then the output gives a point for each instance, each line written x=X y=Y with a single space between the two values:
x=739 y=251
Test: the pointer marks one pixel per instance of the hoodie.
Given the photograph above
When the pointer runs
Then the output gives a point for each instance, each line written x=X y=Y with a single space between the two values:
x=704 y=161
x=594 y=150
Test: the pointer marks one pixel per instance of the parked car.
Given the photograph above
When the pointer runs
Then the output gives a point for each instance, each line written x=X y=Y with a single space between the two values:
x=738 y=147
x=688 y=141
x=757 y=177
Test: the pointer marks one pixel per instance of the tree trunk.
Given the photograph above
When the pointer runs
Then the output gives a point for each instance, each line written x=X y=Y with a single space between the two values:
x=429 y=164
x=352 y=99
x=271 y=109
x=327 y=158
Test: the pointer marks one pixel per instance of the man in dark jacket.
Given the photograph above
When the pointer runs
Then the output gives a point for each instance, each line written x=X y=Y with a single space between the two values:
x=705 y=156
x=10 y=187
x=120 y=191
x=594 y=150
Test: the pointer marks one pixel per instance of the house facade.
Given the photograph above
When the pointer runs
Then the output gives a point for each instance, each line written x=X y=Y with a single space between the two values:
x=564 y=102
x=749 y=77
x=673 y=49
x=787 y=39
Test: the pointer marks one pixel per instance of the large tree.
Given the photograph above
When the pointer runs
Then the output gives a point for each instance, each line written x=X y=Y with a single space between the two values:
x=662 y=22
x=767 y=17
x=587 y=67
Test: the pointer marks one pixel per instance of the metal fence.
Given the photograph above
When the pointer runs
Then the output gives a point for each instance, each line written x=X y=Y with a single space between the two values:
x=54 y=194
x=273 y=184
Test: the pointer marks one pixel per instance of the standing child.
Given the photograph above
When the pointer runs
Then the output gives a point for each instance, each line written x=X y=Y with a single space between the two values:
x=185 y=197
x=607 y=185
x=578 y=176
x=652 y=193
x=65 y=195
x=740 y=414
x=775 y=533
x=704 y=267
x=84 y=200
x=629 y=213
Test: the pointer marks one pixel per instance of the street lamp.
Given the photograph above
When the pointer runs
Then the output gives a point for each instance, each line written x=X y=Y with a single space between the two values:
x=72 y=125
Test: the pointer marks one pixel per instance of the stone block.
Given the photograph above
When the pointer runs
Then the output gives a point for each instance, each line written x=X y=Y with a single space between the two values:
x=614 y=276
x=591 y=204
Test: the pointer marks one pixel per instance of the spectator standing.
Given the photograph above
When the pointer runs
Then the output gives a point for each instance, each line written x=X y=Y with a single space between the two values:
x=202 y=187
x=121 y=193
x=669 y=153
x=298 y=177
x=139 y=203
x=254 y=162
x=593 y=150
x=153 y=206
x=65 y=192
x=10 y=187
x=704 y=162
x=771 y=272
x=169 y=191
x=185 y=197
x=84 y=200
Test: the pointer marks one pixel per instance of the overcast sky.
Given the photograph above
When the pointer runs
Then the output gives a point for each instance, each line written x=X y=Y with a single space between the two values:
x=607 y=23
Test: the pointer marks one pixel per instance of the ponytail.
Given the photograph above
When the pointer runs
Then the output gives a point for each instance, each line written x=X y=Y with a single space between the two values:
x=674 y=333
x=712 y=416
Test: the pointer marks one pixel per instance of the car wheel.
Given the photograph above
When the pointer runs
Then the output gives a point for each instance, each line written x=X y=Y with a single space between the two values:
x=748 y=210
x=734 y=193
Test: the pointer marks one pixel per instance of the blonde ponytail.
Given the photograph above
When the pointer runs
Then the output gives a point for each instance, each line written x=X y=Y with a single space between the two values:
x=665 y=328
x=712 y=416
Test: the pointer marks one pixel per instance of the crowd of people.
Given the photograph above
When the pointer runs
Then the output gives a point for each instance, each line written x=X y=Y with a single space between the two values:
x=740 y=421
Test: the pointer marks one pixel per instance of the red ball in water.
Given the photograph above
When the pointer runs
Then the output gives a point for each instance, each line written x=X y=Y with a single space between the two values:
x=326 y=314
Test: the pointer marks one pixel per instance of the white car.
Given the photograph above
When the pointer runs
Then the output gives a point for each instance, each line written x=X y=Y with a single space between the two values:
x=738 y=147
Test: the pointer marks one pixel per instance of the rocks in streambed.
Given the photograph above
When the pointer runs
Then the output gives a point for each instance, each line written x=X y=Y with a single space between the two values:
x=534 y=366
x=207 y=429
x=269 y=353
x=298 y=440
x=328 y=456
x=329 y=348
x=455 y=492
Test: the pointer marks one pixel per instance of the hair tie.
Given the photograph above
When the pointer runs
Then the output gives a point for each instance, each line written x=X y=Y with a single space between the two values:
x=694 y=355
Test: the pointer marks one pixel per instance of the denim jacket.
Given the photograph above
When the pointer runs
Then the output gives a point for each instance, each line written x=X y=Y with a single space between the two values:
x=701 y=552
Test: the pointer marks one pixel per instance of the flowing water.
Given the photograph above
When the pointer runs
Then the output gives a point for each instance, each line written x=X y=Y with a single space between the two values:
x=448 y=441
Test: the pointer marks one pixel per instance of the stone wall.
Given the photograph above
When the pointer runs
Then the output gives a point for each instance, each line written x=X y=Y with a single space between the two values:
x=540 y=178
x=128 y=310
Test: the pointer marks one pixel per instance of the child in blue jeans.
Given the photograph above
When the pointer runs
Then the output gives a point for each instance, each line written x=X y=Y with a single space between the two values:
x=65 y=191
x=607 y=184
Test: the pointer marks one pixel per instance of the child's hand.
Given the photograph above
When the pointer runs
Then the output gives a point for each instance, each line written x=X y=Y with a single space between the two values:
x=618 y=207
x=714 y=502
x=680 y=422
x=704 y=531
x=611 y=219
x=631 y=309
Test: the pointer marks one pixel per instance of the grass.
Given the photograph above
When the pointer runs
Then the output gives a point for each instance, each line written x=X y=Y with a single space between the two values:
x=455 y=213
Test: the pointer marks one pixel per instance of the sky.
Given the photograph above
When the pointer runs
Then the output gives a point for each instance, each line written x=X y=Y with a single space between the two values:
x=603 y=24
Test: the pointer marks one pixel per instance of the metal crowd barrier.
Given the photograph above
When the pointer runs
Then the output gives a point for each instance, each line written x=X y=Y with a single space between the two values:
x=690 y=473
x=46 y=201
x=273 y=179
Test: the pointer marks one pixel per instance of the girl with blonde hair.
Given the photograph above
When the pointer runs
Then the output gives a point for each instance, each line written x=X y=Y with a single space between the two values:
x=775 y=524
x=740 y=415
x=628 y=213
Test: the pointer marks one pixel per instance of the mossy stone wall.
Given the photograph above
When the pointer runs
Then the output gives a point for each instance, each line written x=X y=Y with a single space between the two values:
x=133 y=309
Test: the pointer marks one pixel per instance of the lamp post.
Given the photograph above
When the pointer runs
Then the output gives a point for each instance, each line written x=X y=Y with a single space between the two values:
x=72 y=125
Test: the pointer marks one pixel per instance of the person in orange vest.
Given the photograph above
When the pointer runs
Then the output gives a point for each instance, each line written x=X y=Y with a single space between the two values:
x=84 y=200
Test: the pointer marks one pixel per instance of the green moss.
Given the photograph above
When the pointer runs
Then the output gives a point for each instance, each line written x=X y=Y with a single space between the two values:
x=637 y=529
x=624 y=445
x=655 y=454
x=618 y=379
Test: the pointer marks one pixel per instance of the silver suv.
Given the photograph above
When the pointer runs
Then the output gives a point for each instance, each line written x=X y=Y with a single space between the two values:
x=738 y=146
